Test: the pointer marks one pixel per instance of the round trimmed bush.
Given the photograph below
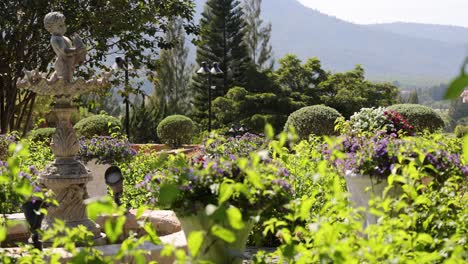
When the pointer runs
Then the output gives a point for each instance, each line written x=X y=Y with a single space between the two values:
x=98 y=125
x=41 y=134
x=419 y=116
x=318 y=120
x=461 y=131
x=176 y=130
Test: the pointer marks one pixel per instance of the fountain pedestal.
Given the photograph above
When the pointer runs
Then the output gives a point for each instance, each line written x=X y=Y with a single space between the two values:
x=67 y=176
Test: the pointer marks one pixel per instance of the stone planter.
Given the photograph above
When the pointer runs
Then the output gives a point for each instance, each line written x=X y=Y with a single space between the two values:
x=213 y=248
x=97 y=186
x=362 y=188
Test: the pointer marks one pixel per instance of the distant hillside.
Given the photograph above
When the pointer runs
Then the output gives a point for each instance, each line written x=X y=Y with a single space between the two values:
x=450 y=34
x=392 y=52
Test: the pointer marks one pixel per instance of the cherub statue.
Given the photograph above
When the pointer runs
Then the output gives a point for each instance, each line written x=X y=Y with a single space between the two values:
x=69 y=53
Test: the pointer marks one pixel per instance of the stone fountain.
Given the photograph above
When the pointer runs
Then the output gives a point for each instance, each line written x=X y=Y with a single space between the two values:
x=66 y=176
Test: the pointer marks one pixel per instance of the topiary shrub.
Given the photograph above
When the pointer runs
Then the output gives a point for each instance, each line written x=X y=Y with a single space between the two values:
x=98 y=125
x=419 y=116
x=318 y=120
x=461 y=131
x=41 y=134
x=176 y=130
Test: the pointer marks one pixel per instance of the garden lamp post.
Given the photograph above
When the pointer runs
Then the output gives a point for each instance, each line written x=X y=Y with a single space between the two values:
x=205 y=70
x=122 y=64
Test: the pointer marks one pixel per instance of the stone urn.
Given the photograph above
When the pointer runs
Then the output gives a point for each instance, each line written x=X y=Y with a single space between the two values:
x=364 y=187
x=214 y=249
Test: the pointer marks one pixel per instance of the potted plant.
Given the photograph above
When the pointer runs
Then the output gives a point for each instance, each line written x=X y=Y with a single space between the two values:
x=368 y=161
x=217 y=196
x=99 y=153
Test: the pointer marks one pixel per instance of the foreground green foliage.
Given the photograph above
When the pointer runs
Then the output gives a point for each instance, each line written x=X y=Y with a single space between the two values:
x=234 y=179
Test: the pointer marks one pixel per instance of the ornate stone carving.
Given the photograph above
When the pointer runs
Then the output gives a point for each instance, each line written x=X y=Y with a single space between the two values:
x=66 y=176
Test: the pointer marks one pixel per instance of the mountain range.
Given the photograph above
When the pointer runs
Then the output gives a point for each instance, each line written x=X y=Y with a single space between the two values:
x=410 y=53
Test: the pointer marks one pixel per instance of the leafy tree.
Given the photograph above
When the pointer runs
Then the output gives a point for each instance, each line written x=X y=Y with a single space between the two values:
x=348 y=92
x=143 y=122
x=221 y=39
x=173 y=72
x=258 y=36
x=105 y=27
x=254 y=110
x=413 y=98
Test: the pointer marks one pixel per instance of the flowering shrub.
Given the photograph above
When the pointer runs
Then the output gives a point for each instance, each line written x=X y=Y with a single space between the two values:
x=106 y=149
x=379 y=155
x=371 y=120
x=248 y=183
x=368 y=119
x=397 y=123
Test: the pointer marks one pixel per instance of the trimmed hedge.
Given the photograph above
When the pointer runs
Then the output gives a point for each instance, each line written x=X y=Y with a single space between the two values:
x=41 y=134
x=318 y=120
x=98 y=125
x=419 y=116
x=176 y=130
x=461 y=131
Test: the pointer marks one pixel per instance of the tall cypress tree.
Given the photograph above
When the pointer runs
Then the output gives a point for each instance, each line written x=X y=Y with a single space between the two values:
x=258 y=36
x=221 y=39
x=174 y=72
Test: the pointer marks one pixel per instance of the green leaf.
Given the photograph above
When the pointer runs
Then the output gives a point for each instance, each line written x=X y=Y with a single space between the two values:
x=223 y=233
x=422 y=200
x=456 y=87
x=195 y=241
x=154 y=238
x=100 y=207
x=3 y=233
x=235 y=218
x=113 y=228
x=167 y=194
x=305 y=208
x=269 y=132
x=225 y=192
x=424 y=239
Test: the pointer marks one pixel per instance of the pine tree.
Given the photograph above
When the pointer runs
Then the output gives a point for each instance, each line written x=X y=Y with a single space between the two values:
x=173 y=73
x=257 y=36
x=221 y=39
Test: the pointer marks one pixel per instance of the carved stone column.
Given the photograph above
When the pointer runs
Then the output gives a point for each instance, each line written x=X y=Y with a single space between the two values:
x=66 y=176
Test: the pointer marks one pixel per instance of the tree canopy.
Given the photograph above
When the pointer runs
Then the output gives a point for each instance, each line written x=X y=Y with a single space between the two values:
x=106 y=27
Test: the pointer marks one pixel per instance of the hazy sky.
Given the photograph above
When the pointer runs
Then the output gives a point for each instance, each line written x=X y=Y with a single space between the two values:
x=446 y=12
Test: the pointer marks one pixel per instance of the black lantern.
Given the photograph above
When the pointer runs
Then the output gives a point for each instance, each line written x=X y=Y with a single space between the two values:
x=114 y=179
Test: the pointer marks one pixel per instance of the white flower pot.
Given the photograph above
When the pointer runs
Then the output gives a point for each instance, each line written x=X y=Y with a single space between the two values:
x=362 y=188
x=97 y=186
